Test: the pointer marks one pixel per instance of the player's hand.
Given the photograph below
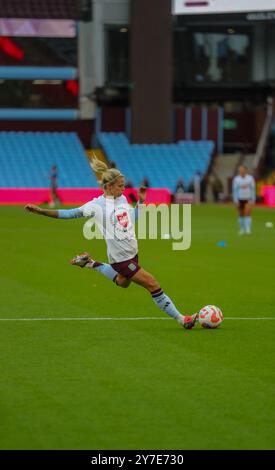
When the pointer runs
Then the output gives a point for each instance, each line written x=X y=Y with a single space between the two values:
x=142 y=194
x=33 y=208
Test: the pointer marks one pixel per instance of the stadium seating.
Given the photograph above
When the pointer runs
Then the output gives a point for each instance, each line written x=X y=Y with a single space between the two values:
x=162 y=164
x=26 y=159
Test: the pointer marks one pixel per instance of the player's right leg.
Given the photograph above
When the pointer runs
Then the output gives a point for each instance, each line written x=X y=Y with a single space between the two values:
x=162 y=301
x=133 y=272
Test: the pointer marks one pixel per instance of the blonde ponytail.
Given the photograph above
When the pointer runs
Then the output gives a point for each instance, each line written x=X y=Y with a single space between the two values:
x=107 y=175
x=97 y=165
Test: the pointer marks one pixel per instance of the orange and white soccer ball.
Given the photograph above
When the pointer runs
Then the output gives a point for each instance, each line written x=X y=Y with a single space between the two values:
x=210 y=316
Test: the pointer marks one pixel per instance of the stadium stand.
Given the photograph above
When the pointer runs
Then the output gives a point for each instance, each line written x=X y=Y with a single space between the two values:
x=162 y=164
x=26 y=159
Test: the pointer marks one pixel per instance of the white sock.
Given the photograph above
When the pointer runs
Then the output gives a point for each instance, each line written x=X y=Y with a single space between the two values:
x=248 y=223
x=242 y=222
x=163 y=302
x=103 y=268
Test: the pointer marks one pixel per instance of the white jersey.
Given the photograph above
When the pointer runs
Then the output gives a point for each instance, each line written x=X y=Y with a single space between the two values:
x=114 y=218
x=244 y=188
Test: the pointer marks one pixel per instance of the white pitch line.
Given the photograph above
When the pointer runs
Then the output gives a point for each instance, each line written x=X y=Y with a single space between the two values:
x=84 y=319
x=119 y=318
x=249 y=318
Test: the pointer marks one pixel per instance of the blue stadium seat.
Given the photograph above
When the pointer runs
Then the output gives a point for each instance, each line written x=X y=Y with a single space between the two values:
x=162 y=164
x=27 y=158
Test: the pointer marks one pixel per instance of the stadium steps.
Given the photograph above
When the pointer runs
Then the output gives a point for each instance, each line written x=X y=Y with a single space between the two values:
x=224 y=168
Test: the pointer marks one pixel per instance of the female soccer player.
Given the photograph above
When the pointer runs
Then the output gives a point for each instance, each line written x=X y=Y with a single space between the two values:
x=111 y=213
x=244 y=196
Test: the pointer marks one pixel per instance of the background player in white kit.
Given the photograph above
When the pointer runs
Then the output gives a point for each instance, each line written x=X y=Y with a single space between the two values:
x=112 y=214
x=244 y=196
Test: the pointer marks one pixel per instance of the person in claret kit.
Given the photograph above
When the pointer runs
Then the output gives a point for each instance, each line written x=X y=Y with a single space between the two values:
x=122 y=247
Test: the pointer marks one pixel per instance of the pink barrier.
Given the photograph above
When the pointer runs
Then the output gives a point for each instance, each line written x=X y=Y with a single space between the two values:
x=268 y=193
x=73 y=195
x=153 y=196
x=41 y=195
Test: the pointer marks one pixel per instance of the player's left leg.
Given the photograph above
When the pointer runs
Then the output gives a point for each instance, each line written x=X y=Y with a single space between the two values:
x=122 y=281
x=162 y=300
x=85 y=261
x=247 y=217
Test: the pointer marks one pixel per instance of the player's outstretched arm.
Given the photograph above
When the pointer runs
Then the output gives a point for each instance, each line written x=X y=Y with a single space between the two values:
x=59 y=214
x=40 y=211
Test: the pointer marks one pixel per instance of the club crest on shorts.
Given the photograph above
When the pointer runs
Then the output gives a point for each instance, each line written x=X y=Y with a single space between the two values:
x=132 y=266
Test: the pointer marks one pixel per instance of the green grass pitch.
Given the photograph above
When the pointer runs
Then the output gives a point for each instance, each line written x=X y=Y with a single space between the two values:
x=136 y=384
